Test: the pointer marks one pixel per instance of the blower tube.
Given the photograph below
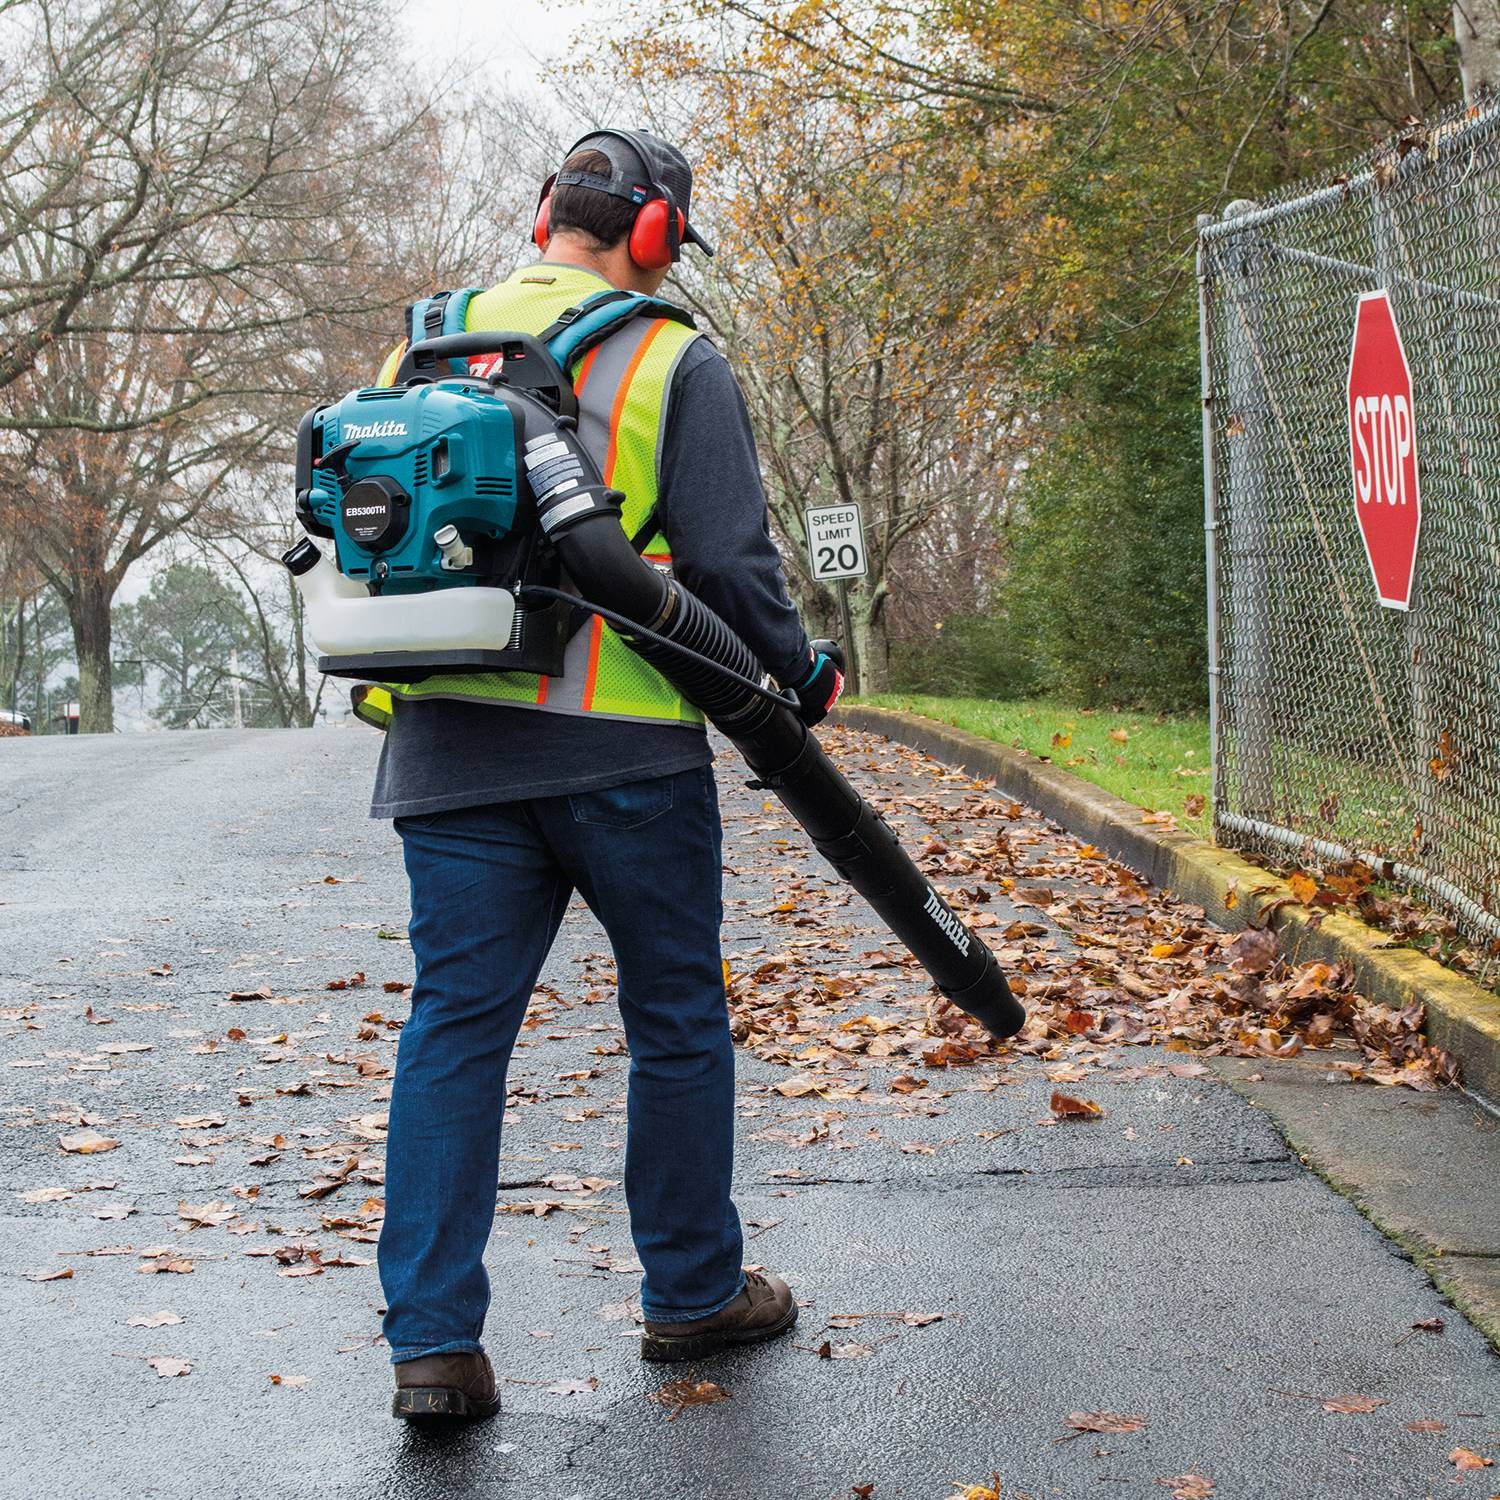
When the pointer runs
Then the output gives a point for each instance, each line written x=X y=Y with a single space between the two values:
x=778 y=747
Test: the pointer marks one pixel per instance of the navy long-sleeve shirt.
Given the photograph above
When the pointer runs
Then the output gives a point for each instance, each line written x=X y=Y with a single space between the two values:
x=440 y=754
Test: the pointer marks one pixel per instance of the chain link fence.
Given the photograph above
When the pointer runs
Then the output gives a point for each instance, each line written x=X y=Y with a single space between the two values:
x=1345 y=728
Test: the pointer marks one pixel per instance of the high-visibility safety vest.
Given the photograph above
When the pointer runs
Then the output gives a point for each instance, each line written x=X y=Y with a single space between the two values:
x=623 y=386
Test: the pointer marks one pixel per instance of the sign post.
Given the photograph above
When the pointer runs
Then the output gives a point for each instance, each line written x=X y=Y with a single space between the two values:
x=836 y=546
x=1383 y=450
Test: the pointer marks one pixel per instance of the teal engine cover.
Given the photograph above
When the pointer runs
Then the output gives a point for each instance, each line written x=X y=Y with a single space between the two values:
x=390 y=468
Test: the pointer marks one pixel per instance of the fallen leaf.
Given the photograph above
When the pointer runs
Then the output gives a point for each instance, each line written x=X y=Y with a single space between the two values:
x=1066 y=1107
x=572 y=1387
x=66 y=1274
x=990 y=1491
x=1254 y=950
x=798 y=1087
x=681 y=1394
x=160 y=1264
x=153 y=1320
x=1105 y=1421
x=293 y=1382
x=206 y=1215
x=167 y=1367
x=1427 y=1424
x=46 y=1195
x=1352 y=1403
x=86 y=1142
x=1467 y=1458
x=1189 y=1486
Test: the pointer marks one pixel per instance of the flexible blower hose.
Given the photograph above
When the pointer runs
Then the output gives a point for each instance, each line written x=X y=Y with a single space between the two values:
x=786 y=758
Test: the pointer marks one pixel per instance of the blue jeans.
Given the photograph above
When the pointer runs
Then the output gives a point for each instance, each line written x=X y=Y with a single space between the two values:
x=488 y=889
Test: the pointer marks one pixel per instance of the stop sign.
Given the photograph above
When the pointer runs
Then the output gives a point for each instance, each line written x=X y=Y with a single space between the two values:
x=1383 y=449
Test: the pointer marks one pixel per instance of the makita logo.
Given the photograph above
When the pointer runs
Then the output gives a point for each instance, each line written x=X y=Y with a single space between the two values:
x=354 y=430
x=947 y=921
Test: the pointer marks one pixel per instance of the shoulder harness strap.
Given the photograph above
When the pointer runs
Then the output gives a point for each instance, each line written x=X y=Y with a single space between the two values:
x=444 y=312
x=591 y=321
x=588 y=324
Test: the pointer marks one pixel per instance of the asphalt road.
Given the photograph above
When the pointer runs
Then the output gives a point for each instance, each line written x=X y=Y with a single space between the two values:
x=1170 y=1260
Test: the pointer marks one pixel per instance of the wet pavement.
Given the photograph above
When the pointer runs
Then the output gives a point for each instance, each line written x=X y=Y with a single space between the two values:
x=977 y=1270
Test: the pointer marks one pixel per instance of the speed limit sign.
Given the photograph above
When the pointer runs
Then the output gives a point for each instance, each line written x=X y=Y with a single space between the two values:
x=836 y=542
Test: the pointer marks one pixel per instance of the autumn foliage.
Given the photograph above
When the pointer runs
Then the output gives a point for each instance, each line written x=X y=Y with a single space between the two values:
x=956 y=270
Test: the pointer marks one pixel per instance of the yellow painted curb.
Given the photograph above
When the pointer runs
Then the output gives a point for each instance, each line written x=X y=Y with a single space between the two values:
x=1462 y=1017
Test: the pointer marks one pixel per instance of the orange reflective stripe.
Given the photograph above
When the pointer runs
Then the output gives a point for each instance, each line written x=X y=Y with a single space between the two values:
x=618 y=410
x=581 y=379
x=588 y=682
x=541 y=689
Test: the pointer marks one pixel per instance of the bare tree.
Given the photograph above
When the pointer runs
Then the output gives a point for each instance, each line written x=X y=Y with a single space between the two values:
x=197 y=203
x=150 y=143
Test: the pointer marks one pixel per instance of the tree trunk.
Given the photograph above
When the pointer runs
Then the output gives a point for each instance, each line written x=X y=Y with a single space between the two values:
x=40 y=723
x=1476 y=24
x=14 y=654
x=872 y=642
x=88 y=610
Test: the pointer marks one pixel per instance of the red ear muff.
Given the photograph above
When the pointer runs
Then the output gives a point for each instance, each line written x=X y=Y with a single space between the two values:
x=541 y=229
x=652 y=244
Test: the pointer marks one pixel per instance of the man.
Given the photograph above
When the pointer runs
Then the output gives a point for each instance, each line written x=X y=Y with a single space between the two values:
x=510 y=792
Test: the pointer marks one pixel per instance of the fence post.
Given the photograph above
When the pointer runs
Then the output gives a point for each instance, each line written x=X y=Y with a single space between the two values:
x=1421 y=687
x=1247 y=532
x=1210 y=503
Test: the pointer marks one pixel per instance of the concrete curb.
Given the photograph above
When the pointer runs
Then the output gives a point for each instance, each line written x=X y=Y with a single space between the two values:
x=1462 y=1017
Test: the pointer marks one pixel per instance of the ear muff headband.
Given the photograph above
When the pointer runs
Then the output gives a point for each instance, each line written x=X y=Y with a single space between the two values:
x=655 y=237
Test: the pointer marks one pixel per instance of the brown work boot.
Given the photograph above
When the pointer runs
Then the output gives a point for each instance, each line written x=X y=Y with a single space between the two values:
x=762 y=1310
x=446 y=1385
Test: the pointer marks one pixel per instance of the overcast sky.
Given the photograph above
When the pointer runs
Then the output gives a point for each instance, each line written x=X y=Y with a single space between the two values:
x=504 y=36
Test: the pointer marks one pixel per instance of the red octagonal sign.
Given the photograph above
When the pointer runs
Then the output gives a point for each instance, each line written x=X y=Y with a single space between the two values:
x=1383 y=450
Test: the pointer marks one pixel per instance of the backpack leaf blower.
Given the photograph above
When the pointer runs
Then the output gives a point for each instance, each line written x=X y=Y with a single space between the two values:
x=465 y=513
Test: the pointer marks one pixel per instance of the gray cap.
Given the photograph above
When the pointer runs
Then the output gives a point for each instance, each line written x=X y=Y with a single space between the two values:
x=641 y=161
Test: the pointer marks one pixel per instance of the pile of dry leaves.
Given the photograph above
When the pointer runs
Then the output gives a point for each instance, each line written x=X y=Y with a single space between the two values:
x=1099 y=958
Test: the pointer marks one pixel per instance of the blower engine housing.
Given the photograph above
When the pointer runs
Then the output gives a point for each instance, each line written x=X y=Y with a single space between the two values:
x=420 y=489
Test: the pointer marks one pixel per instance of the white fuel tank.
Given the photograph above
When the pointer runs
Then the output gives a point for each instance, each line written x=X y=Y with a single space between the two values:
x=343 y=619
